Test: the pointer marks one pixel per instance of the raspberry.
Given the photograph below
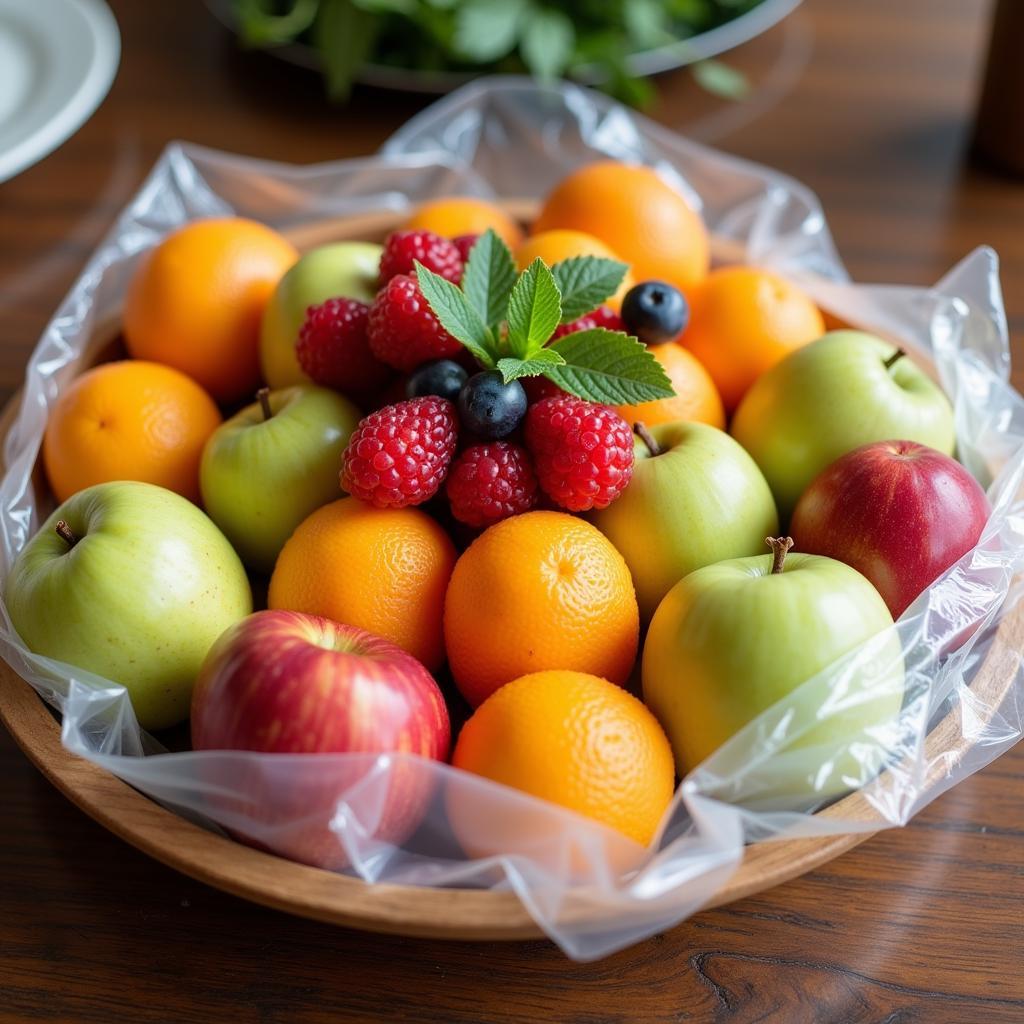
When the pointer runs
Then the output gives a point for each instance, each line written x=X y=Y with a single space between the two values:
x=400 y=454
x=402 y=328
x=403 y=248
x=538 y=388
x=582 y=452
x=334 y=351
x=464 y=243
x=600 y=317
x=490 y=482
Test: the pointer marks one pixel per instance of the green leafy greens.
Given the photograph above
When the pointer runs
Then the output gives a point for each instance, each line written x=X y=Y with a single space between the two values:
x=507 y=322
x=547 y=38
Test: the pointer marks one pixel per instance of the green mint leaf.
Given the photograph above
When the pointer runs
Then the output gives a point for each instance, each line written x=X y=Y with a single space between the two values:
x=457 y=315
x=488 y=278
x=721 y=80
x=609 y=367
x=487 y=29
x=513 y=369
x=534 y=310
x=585 y=282
x=547 y=43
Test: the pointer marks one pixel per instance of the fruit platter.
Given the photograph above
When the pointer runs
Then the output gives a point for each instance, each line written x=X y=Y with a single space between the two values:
x=559 y=556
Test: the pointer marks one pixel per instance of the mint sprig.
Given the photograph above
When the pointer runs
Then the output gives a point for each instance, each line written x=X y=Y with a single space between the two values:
x=534 y=310
x=488 y=278
x=538 y=364
x=457 y=314
x=609 y=367
x=507 y=323
x=584 y=282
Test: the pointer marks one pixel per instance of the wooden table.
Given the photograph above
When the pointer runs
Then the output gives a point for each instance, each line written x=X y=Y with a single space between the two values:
x=870 y=104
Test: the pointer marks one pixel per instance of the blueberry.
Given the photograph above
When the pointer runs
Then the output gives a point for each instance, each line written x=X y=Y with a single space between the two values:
x=490 y=408
x=443 y=377
x=655 y=312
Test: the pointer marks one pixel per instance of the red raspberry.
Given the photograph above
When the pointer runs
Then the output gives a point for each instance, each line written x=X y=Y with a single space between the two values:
x=603 y=316
x=464 y=243
x=402 y=328
x=403 y=248
x=538 y=388
x=334 y=351
x=490 y=482
x=582 y=452
x=400 y=454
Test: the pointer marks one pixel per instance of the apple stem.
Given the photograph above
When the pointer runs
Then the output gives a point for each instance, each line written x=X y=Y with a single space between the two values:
x=65 y=534
x=780 y=548
x=263 y=397
x=895 y=357
x=648 y=439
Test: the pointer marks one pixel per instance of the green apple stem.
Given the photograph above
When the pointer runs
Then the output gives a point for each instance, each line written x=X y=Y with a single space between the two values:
x=263 y=397
x=648 y=439
x=780 y=548
x=895 y=357
x=65 y=534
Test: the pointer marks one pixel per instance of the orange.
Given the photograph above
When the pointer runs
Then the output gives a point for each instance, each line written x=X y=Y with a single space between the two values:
x=129 y=420
x=384 y=570
x=743 y=321
x=539 y=591
x=637 y=214
x=452 y=216
x=575 y=740
x=696 y=397
x=554 y=246
x=196 y=301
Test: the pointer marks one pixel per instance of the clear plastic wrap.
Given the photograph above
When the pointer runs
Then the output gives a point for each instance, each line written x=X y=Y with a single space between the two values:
x=590 y=889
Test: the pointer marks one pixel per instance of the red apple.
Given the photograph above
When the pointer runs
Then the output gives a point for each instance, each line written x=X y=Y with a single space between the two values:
x=899 y=512
x=286 y=683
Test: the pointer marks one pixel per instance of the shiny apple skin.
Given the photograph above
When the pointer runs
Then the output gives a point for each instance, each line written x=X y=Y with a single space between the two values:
x=830 y=397
x=286 y=683
x=898 y=512
x=348 y=269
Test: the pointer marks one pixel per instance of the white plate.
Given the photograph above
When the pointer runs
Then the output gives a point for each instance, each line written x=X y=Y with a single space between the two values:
x=57 y=60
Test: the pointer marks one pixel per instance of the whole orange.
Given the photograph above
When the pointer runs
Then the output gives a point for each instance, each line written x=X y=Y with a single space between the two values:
x=570 y=738
x=554 y=246
x=384 y=570
x=638 y=215
x=696 y=397
x=543 y=590
x=743 y=321
x=452 y=216
x=129 y=420
x=196 y=301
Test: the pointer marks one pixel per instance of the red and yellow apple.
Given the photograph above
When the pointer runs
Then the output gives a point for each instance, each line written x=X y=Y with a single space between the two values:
x=286 y=683
x=899 y=512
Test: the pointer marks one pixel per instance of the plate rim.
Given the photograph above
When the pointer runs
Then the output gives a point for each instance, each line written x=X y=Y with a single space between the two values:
x=81 y=103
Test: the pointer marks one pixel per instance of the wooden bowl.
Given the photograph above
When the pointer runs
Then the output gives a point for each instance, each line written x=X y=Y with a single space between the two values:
x=408 y=910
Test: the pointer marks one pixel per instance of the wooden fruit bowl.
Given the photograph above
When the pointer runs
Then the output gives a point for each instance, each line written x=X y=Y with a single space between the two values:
x=408 y=910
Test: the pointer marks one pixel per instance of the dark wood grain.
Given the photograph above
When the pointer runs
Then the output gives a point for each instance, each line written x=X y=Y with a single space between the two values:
x=870 y=103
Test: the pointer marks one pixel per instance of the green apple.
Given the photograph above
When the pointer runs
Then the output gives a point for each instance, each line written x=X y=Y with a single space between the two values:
x=733 y=639
x=271 y=465
x=842 y=391
x=347 y=269
x=132 y=582
x=701 y=499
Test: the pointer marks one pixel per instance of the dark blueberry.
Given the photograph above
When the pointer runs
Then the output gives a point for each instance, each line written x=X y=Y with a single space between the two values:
x=443 y=377
x=490 y=408
x=655 y=312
